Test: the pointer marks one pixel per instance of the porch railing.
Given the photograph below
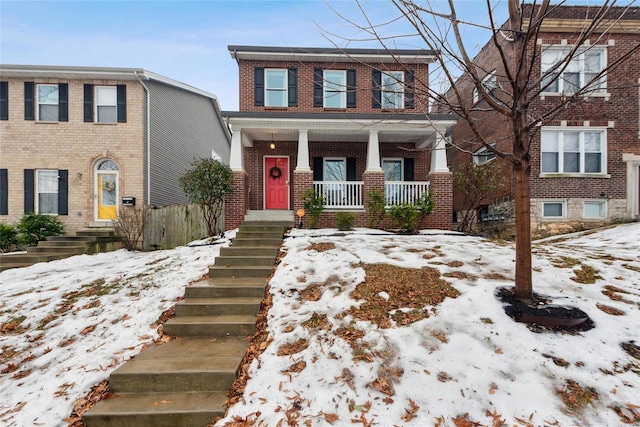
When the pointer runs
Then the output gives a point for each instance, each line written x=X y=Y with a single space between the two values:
x=348 y=194
x=340 y=194
x=396 y=193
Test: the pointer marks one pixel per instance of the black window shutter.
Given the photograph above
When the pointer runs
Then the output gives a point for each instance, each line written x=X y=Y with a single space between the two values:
x=29 y=188
x=88 y=103
x=351 y=168
x=318 y=165
x=4 y=101
x=409 y=91
x=4 y=192
x=63 y=192
x=408 y=170
x=293 y=87
x=318 y=91
x=377 y=93
x=258 y=86
x=28 y=101
x=63 y=102
x=351 y=88
x=122 y=103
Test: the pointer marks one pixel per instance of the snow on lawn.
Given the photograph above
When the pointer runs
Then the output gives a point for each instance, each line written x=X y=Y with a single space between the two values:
x=65 y=325
x=468 y=361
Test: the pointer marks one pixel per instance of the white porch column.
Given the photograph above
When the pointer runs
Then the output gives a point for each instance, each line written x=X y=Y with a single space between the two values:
x=373 y=153
x=303 y=151
x=236 y=160
x=439 y=156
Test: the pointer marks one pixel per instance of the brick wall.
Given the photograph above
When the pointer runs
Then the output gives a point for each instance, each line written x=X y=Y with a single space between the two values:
x=73 y=145
x=235 y=206
x=364 y=84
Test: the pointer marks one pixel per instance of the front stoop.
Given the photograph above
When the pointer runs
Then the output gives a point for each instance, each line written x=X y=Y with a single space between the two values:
x=87 y=241
x=184 y=382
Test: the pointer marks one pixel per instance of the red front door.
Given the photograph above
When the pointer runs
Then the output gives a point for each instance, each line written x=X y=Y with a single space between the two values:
x=276 y=183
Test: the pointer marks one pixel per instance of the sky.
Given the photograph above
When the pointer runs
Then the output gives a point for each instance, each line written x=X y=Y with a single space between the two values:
x=187 y=40
x=86 y=315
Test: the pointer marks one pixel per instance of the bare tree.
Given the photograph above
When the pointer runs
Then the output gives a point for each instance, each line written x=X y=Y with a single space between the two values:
x=509 y=96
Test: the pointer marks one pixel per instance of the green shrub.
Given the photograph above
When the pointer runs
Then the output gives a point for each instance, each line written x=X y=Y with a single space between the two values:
x=8 y=237
x=406 y=215
x=313 y=206
x=376 y=207
x=34 y=227
x=345 y=220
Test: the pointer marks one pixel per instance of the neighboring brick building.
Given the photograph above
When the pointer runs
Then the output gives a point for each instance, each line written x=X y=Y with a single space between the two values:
x=342 y=121
x=586 y=161
x=76 y=141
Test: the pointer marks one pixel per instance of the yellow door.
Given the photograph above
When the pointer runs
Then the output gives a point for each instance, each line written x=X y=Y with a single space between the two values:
x=107 y=196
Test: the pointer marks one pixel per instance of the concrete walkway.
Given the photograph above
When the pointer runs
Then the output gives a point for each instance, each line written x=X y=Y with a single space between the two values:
x=184 y=382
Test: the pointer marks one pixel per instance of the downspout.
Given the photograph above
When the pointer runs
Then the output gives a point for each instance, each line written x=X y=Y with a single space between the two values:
x=148 y=137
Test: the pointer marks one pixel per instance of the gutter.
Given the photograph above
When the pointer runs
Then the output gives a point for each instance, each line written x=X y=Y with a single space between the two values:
x=148 y=136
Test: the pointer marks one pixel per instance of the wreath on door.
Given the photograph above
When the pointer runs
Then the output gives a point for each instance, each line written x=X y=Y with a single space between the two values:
x=275 y=172
x=108 y=186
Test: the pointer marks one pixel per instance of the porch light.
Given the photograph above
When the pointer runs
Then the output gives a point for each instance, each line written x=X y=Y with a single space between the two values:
x=272 y=145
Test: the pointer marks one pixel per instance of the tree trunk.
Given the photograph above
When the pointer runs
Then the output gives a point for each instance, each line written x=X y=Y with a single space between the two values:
x=524 y=285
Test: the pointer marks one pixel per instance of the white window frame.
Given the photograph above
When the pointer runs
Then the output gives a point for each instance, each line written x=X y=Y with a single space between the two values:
x=398 y=78
x=560 y=147
x=489 y=82
x=334 y=159
x=554 y=202
x=576 y=63
x=38 y=103
x=39 y=191
x=483 y=152
x=594 y=201
x=268 y=89
x=394 y=159
x=329 y=89
x=98 y=104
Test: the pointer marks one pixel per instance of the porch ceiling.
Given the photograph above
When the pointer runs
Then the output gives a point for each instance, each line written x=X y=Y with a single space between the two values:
x=416 y=129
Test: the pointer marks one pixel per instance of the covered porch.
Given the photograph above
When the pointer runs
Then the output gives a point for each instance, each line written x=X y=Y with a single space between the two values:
x=277 y=156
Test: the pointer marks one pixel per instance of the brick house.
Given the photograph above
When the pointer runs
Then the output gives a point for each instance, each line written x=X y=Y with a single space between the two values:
x=586 y=160
x=77 y=142
x=344 y=122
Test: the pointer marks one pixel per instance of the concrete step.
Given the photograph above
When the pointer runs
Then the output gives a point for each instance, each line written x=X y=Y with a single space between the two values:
x=240 y=242
x=8 y=265
x=218 y=306
x=82 y=238
x=104 y=232
x=264 y=227
x=240 y=271
x=62 y=250
x=228 y=261
x=227 y=287
x=157 y=409
x=63 y=243
x=211 y=326
x=32 y=258
x=259 y=235
x=248 y=251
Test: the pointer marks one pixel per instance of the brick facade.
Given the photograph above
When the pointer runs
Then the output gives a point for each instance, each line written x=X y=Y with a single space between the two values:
x=617 y=112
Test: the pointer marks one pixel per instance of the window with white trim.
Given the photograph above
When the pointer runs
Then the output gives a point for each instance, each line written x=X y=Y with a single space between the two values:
x=556 y=209
x=47 y=192
x=489 y=82
x=393 y=169
x=482 y=156
x=594 y=209
x=106 y=104
x=392 y=90
x=48 y=101
x=335 y=169
x=586 y=64
x=335 y=89
x=275 y=88
x=573 y=151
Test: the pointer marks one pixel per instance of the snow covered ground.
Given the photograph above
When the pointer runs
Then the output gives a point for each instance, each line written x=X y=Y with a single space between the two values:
x=67 y=324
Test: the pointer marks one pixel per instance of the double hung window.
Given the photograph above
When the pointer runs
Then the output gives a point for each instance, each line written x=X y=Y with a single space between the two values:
x=573 y=151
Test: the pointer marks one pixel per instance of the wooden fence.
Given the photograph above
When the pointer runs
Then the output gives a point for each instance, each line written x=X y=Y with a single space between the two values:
x=175 y=225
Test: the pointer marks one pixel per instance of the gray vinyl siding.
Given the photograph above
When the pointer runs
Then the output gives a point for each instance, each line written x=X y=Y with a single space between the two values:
x=184 y=126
